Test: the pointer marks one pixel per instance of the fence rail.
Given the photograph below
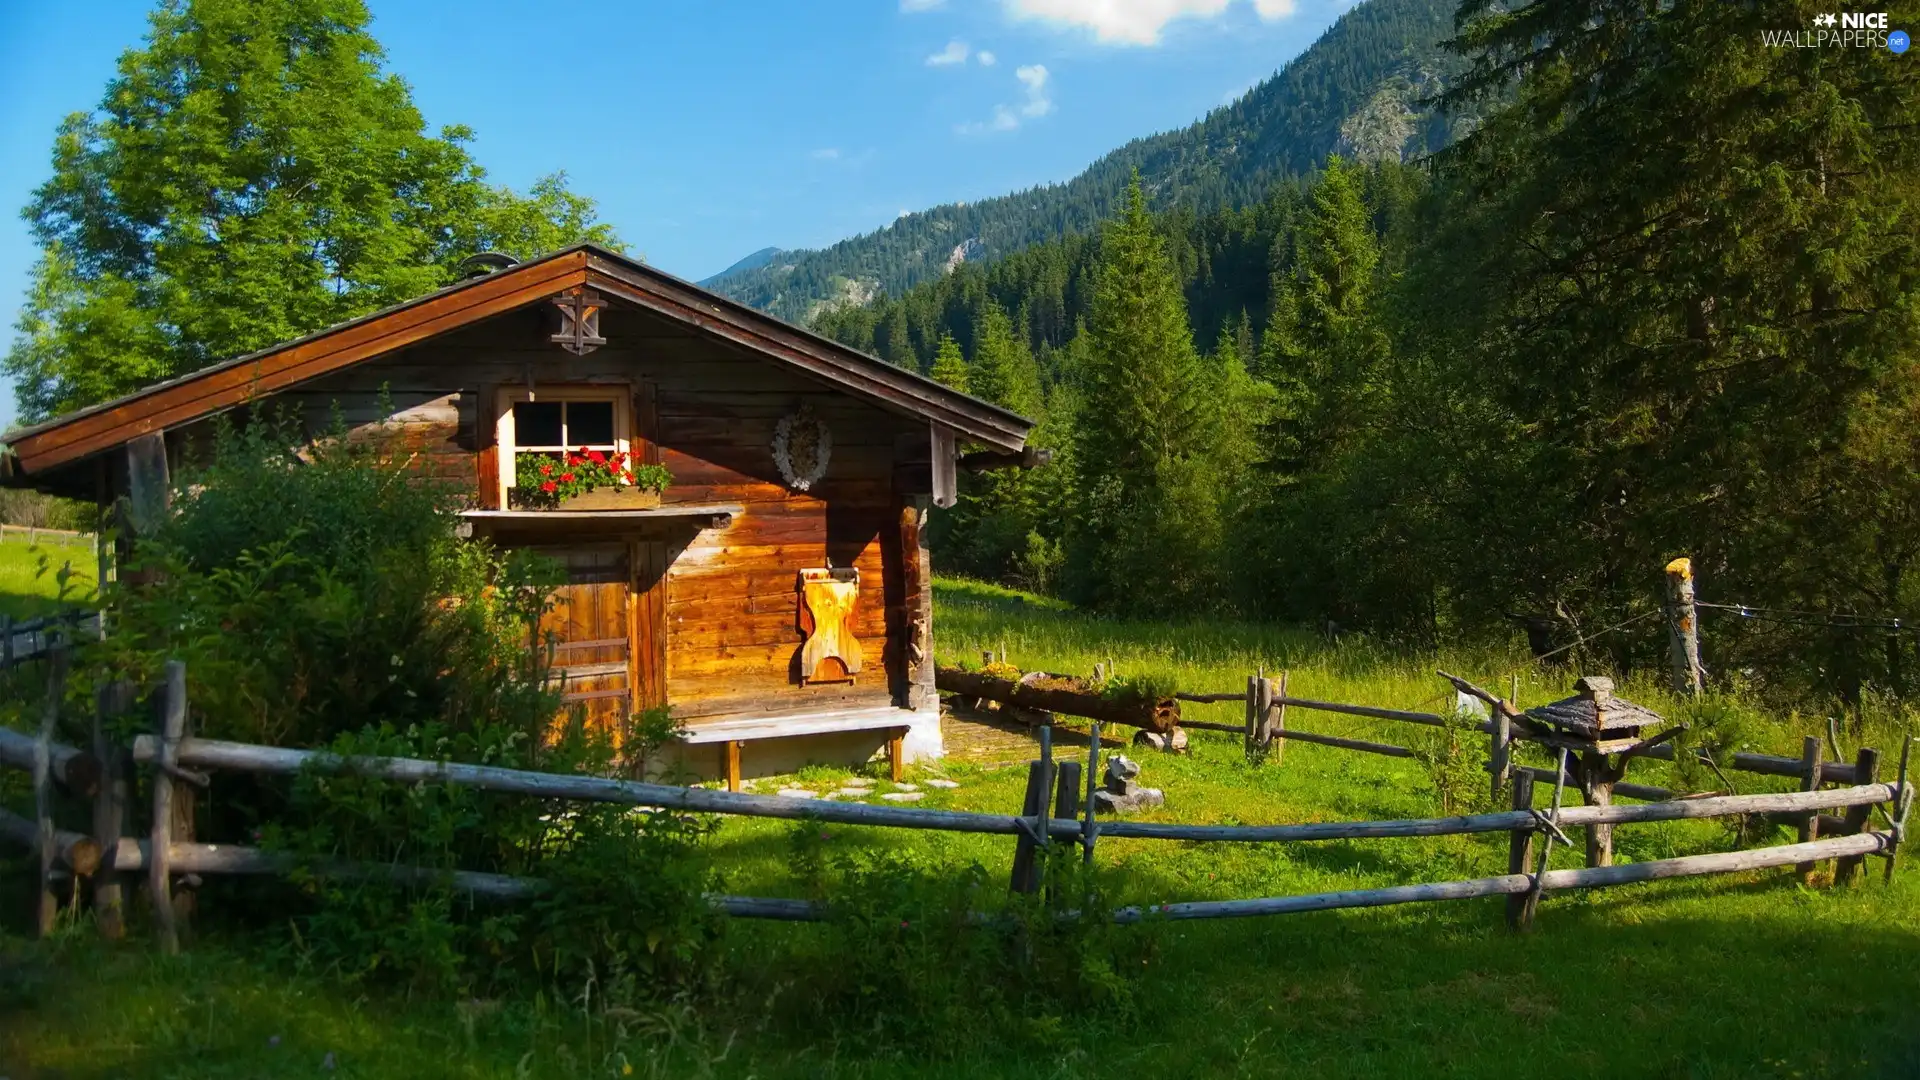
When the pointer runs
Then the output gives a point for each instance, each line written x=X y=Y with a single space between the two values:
x=175 y=759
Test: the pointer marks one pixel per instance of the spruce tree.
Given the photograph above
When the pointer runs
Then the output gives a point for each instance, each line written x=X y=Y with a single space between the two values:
x=1003 y=369
x=950 y=365
x=1147 y=535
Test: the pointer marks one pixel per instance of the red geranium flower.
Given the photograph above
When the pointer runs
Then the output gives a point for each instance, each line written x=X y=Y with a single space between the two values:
x=566 y=478
x=573 y=459
x=596 y=457
x=548 y=486
x=627 y=476
x=547 y=469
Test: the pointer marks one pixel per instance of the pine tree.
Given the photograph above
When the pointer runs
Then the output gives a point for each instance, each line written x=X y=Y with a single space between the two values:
x=253 y=174
x=950 y=365
x=1325 y=345
x=1148 y=532
x=1003 y=369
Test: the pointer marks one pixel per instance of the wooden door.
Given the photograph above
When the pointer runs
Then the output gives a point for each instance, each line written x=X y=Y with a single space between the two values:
x=590 y=627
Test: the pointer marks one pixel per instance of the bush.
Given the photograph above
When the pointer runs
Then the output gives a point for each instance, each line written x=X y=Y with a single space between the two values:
x=320 y=598
x=920 y=958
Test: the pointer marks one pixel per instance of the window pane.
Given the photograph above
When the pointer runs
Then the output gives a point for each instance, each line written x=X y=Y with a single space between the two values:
x=536 y=423
x=589 y=423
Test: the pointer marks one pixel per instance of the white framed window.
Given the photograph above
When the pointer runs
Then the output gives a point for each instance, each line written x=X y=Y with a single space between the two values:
x=557 y=420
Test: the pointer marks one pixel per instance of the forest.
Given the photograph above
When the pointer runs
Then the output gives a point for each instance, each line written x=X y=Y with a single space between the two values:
x=1381 y=62
x=1662 y=302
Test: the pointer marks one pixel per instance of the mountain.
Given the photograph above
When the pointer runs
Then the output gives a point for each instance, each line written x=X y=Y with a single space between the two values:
x=1359 y=90
x=752 y=262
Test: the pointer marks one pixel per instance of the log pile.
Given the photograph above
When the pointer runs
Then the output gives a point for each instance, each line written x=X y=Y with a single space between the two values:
x=1061 y=694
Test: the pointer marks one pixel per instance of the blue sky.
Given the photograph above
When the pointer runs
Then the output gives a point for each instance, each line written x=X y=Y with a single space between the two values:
x=709 y=130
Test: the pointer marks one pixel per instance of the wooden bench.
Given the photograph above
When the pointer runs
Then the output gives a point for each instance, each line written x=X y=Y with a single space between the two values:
x=733 y=734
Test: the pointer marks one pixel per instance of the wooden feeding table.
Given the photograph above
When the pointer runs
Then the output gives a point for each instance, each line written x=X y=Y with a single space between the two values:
x=1592 y=726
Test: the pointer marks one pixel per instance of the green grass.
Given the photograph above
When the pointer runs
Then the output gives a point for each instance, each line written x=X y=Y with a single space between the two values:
x=29 y=576
x=1743 y=976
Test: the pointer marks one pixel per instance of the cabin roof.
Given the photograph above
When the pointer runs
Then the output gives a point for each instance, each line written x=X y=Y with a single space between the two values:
x=37 y=450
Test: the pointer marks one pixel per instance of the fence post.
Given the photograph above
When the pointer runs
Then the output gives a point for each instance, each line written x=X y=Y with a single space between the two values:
x=1520 y=855
x=49 y=908
x=1066 y=795
x=1500 y=753
x=110 y=810
x=1866 y=770
x=1596 y=789
x=173 y=725
x=1253 y=715
x=1088 y=830
x=1810 y=758
x=1277 y=700
x=1685 y=627
x=1033 y=808
x=1263 y=714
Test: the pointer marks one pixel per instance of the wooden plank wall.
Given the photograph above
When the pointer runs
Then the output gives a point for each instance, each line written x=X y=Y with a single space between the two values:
x=731 y=609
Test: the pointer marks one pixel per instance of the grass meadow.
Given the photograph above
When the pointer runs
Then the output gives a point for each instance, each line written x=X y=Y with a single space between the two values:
x=29 y=574
x=1699 y=979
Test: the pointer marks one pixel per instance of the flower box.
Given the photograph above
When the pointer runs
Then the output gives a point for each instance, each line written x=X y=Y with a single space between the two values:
x=613 y=498
x=586 y=480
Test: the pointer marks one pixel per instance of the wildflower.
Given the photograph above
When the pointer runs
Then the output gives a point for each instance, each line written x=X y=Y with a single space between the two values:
x=903 y=924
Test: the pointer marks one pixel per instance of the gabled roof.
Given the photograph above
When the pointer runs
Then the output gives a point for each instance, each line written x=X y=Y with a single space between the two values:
x=44 y=447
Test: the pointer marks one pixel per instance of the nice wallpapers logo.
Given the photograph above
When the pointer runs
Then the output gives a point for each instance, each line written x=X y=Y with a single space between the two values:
x=1846 y=30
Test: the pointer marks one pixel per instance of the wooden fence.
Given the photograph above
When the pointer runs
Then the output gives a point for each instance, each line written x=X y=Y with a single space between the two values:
x=36 y=535
x=179 y=764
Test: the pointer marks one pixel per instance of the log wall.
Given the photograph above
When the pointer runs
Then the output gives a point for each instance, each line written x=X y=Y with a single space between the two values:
x=708 y=409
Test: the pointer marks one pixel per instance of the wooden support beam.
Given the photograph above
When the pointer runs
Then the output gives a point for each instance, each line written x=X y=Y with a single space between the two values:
x=1520 y=854
x=897 y=754
x=173 y=726
x=110 y=809
x=1596 y=789
x=1810 y=754
x=76 y=770
x=1847 y=870
x=733 y=763
x=45 y=842
x=75 y=851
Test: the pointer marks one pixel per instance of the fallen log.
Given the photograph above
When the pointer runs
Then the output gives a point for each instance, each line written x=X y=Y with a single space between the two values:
x=1162 y=714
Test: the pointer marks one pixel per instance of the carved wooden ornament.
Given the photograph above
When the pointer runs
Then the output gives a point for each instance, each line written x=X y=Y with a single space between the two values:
x=579 y=331
x=832 y=653
x=801 y=446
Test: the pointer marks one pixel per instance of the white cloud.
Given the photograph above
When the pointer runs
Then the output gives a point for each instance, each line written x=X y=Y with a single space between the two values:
x=911 y=6
x=986 y=58
x=954 y=53
x=1133 y=22
x=1034 y=79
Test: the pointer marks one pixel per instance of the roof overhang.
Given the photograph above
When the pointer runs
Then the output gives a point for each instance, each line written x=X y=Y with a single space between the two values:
x=36 y=451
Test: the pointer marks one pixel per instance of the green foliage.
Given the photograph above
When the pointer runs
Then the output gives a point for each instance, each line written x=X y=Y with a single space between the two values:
x=950 y=365
x=309 y=589
x=253 y=173
x=924 y=959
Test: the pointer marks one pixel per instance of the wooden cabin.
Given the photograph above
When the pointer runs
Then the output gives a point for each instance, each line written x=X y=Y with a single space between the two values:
x=777 y=597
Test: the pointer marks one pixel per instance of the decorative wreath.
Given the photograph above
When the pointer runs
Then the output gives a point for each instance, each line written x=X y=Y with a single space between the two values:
x=801 y=446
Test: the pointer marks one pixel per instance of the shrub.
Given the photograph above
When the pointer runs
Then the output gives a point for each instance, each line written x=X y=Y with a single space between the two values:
x=921 y=959
x=320 y=598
